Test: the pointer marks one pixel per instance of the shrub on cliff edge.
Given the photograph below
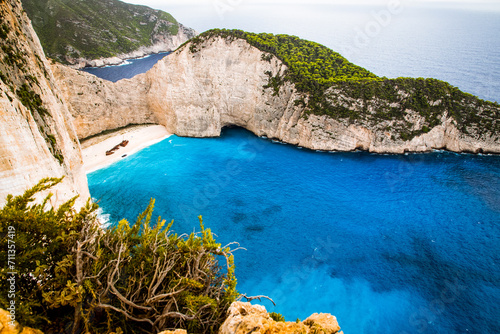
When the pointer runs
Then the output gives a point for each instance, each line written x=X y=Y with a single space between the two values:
x=72 y=275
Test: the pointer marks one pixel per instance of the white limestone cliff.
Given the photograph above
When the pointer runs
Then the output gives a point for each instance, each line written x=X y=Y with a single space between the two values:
x=34 y=145
x=197 y=94
x=98 y=105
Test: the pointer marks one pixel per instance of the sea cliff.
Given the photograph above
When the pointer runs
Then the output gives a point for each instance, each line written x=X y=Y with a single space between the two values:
x=37 y=135
x=219 y=81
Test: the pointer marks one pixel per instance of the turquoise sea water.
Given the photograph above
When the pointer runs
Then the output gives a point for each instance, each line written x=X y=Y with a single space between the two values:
x=388 y=244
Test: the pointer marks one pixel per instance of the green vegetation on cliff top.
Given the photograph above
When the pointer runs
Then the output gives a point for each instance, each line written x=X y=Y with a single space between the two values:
x=95 y=28
x=336 y=87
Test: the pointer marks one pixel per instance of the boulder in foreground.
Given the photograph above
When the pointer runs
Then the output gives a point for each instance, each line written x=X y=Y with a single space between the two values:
x=247 y=318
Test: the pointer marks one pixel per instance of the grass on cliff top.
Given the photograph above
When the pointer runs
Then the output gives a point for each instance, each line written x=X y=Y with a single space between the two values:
x=95 y=28
x=327 y=78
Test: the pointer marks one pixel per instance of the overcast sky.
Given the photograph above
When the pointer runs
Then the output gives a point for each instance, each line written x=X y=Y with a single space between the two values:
x=165 y=3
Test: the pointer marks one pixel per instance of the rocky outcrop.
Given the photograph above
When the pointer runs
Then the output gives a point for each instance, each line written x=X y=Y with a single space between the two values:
x=37 y=136
x=246 y=318
x=221 y=84
x=10 y=326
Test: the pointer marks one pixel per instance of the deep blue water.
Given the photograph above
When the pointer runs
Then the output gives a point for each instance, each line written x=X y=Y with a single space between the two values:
x=388 y=244
x=129 y=69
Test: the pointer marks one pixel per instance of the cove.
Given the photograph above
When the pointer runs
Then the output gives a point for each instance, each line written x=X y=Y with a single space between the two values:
x=129 y=69
x=388 y=244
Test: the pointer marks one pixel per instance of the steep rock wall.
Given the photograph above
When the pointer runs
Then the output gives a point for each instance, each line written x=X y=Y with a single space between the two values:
x=99 y=105
x=37 y=136
x=222 y=84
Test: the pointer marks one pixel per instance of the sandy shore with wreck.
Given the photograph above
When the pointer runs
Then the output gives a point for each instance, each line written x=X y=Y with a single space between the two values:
x=138 y=137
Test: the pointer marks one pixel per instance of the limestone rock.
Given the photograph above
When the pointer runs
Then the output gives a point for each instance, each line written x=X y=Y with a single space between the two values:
x=323 y=321
x=9 y=327
x=98 y=105
x=177 y=331
x=198 y=94
x=247 y=318
x=37 y=138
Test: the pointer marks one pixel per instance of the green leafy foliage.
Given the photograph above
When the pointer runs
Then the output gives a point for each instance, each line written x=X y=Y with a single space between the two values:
x=43 y=241
x=391 y=99
x=333 y=86
x=96 y=28
x=4 y=31
x=277 y=317
x=141 y=277
x=31 y=100
x=12 y=57
x=312 y=66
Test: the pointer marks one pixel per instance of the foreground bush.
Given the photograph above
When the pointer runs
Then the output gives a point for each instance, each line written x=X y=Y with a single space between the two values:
x=74 y=276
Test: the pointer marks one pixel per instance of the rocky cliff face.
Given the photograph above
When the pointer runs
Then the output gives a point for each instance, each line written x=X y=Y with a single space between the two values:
x=221 y=84
x=37 y=136
x=99 y=105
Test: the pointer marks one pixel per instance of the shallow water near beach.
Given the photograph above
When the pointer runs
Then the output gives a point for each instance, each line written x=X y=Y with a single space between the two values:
x=388 y=244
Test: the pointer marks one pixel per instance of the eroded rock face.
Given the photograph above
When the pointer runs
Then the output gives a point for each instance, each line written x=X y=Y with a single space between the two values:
x=99 y=105
x=8 y=326
x=37 y=138
x=247 y=318
x=196 y=94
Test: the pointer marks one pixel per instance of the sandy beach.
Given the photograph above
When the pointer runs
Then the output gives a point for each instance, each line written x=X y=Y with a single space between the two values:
x=139 y=137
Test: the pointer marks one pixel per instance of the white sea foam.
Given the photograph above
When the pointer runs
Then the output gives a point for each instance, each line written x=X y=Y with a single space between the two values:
x=103 y=218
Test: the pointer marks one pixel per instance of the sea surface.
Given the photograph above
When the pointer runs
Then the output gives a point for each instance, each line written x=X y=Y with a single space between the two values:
x=388 y=244
x=396 y=244
x=128 y=69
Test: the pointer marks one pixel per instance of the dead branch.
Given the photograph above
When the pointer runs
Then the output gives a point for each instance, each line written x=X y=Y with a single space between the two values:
x=255 y=297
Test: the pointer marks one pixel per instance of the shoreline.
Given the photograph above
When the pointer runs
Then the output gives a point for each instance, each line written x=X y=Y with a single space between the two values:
x=123 y=62
x=139 y=137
